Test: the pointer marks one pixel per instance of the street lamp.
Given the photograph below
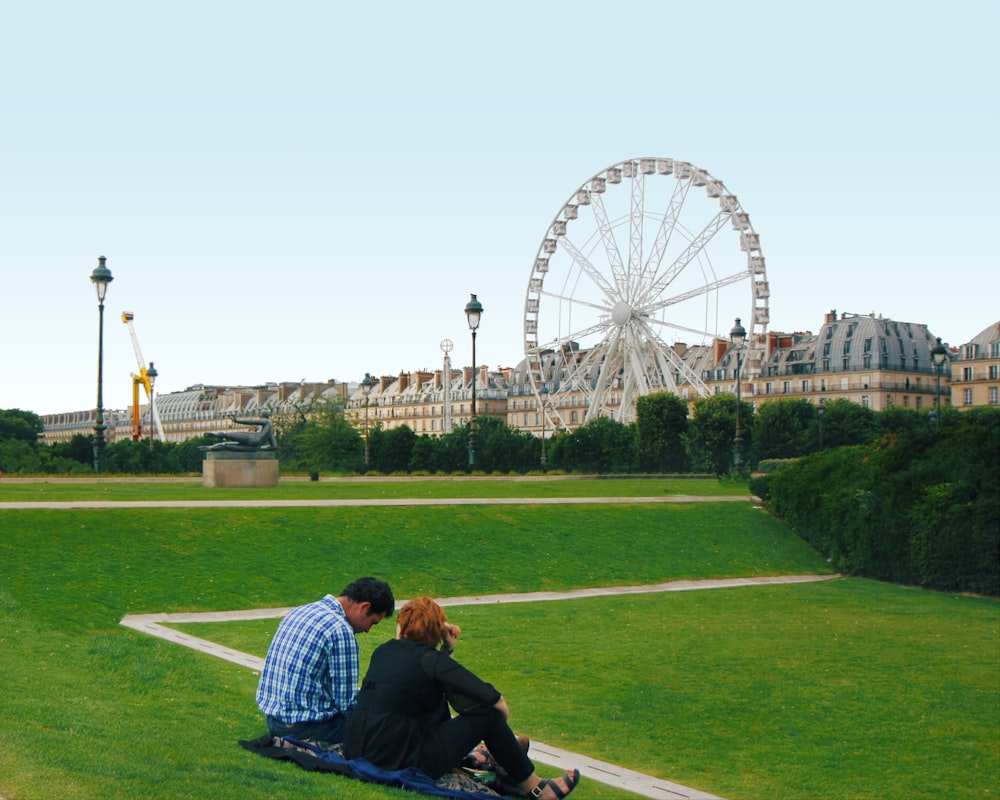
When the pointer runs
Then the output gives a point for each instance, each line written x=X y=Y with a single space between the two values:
x=366 y=387
x=545 y=398
x=738 y=336
x=819 y=413
x=938 y=355
x=101 y=277
x=152 y=374
x=473 y=313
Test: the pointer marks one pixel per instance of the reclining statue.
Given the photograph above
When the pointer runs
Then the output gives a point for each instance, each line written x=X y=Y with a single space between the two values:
x=260 y=439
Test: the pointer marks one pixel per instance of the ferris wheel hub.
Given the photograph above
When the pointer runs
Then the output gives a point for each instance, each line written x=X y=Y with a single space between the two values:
x=621 y=313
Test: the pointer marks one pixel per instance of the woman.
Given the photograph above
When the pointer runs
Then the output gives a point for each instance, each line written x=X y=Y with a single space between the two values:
x=402 y=717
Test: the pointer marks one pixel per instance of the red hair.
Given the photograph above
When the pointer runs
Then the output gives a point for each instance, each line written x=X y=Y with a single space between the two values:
x=422 y=620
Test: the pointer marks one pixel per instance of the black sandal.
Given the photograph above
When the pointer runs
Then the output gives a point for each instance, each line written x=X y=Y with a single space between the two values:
x=572 y=778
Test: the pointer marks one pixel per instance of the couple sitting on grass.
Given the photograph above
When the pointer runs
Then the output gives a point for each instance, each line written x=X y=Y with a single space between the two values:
x=400 y=718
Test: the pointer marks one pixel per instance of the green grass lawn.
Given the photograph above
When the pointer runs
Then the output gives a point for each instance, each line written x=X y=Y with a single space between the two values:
x=842 y=689
x=110 y=490
x=748 y=692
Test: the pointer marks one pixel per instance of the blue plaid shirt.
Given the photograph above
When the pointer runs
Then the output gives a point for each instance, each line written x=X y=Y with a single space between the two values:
x=312 y=668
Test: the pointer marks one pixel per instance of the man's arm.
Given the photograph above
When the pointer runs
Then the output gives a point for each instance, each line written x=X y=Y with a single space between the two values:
x=344 y=669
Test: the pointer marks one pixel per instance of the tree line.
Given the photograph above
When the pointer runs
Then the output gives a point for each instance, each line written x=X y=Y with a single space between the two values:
x=664 y=439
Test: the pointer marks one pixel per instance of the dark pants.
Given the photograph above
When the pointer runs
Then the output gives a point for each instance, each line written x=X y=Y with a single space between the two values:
x=326 y=730
x=451 y=740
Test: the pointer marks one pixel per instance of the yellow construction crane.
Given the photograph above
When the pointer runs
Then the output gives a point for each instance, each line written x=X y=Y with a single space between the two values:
x=146 y=378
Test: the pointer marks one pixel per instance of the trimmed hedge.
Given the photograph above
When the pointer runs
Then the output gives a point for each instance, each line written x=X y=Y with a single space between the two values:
x=919 y=507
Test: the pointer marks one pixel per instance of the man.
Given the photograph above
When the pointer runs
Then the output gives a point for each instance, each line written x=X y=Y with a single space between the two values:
x=312 y=671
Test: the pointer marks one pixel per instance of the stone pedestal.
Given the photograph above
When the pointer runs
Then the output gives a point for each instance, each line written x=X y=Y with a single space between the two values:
x=231 y=468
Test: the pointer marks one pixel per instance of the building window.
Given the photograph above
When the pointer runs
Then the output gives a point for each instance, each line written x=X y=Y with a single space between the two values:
x=967 y=373
x=994 y=393
x=786 y=387
x=866 y=401
x=967 y=397
x=805 y=387
x=994 y=371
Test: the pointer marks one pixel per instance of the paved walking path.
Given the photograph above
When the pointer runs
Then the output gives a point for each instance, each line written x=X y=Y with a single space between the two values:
x=603 y=772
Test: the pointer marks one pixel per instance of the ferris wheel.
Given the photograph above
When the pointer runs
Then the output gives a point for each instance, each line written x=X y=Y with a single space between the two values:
x=644 y=256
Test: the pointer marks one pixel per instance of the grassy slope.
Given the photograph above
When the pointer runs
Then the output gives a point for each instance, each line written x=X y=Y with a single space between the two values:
x=94 y=710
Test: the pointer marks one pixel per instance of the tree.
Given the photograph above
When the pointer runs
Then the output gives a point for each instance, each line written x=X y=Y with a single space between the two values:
x=602 y=445
x=784 y=428
x=846 y=423
x=25 y=426
x=661 y=420
x=505 y=449
x=711 y=433
x=324 y=440
x=392 y=450
x=79 y=448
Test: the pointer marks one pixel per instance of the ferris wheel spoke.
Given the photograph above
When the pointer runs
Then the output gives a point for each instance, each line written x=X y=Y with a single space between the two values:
x=610 y=365
x=575 y=302
x=697 y=333
x=666 y=229
x=579 y=372
x=635 y=231
x=677 y=364
x=573 y=336
x=608 y=240
x=700 y=291
x=690 y=252
x=588 y=268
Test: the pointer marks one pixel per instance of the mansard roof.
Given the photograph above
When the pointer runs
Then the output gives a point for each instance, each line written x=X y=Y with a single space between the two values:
x=857 y=342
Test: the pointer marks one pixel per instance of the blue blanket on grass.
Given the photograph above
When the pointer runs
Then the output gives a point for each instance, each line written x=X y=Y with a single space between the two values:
x=314 y=758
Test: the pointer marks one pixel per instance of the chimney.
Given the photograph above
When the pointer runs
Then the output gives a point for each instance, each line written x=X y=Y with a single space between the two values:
x=721 y=346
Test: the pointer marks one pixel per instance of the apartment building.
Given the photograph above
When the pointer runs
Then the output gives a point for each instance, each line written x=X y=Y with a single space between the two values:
x=975 y=371
x=868 y=359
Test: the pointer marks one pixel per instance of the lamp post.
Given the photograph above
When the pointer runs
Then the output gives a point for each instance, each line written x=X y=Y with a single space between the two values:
x=152 y=374
x=366 y=387
x=101 y=277
x=938 y=355
x=738 y=336
x=819 y=413
x=473 y=313
x=545 y=398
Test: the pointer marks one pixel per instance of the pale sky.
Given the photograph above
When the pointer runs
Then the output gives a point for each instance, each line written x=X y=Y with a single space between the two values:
x=313 y=189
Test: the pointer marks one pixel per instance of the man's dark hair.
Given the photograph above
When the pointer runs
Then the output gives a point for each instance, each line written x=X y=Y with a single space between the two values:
x=374 y=591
